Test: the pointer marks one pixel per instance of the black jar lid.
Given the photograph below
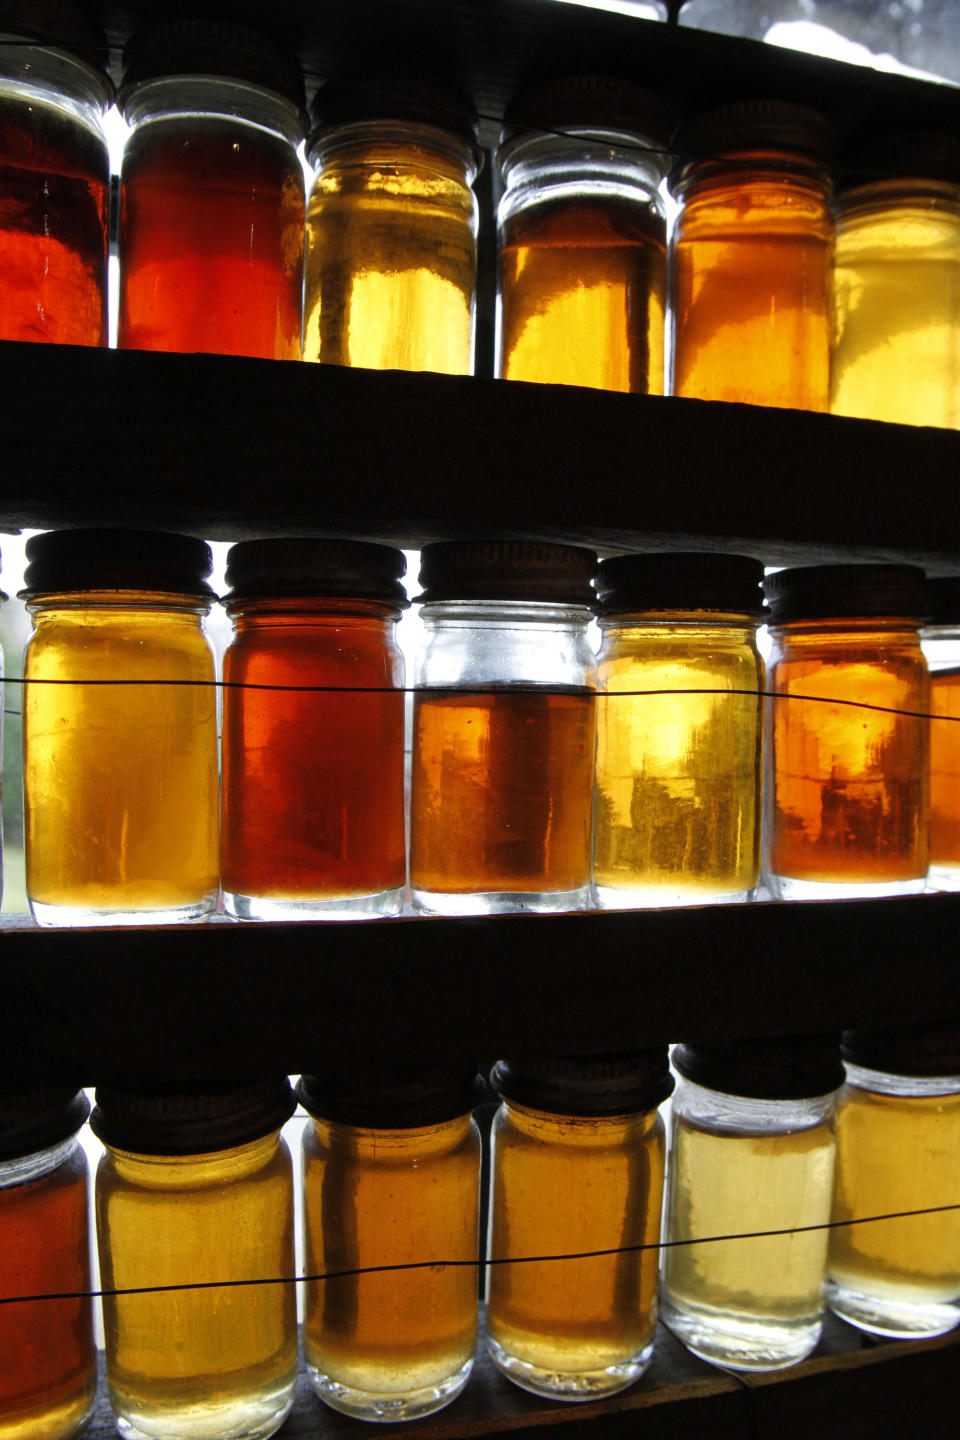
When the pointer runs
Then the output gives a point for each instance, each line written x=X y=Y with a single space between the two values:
x=900 y=155
x=64 y=560
x=419 y=100
x=587 y=1085
x=943 y=600
x=585 y=103
x=35 y=1117
x=59 y=25
x=757 y=125
x=778 y=1068
x=825 y=592
x=928 y=1048
x=210 y=47
x=681 y=581
x=264 y=569
x=164 y=1120
x=394 y=1099
x=507 y=570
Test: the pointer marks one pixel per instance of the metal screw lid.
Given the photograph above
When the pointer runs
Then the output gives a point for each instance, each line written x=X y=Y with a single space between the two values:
x=590 y=1085
x=931 y=1048
x=902 y=154
x=392 y=1099
x=35 y=1117
x=165 y=1120
x=681 y=581
x=585 y=103
x=418 y=99
x=295 y=567
x=778 y=1068
x=824 y=592
x=211 y=47
x=757 y=124
x=61 y=560
x=507 y=570
x=59 y=25
x=943 y=600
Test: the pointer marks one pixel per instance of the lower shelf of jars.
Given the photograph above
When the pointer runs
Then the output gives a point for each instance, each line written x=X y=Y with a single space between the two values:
x=850 y=1387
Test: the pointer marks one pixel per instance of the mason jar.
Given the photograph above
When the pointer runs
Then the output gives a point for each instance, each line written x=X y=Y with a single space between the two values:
x=940 y=641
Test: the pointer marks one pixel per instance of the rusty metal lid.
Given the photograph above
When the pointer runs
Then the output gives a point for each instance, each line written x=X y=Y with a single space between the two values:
x=597 y=1085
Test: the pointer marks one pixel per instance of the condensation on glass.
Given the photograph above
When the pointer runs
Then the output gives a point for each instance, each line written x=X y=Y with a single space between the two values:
x=940 y=639
x=577 y=1165
x=391 y=1169
x=751 y=256
x=313 y=715
x=54 y=175
x=48 y=1362
x=503 y=729
x=391 y=260
x=896 y=284
x=679 y=730
x=582 y=237
x=848 y=763
x=752 y=1149
x=196 y=1189
x=898 y=1150
x=119 y=729
x=211 y=193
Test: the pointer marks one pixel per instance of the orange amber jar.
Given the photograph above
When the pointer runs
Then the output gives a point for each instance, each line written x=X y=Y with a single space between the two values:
x=312 y=797
x=848 y=773
x=751 y=260
x=941 y=645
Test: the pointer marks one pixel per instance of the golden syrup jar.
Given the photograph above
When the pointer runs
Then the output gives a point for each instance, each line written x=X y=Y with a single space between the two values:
x=679 y=730
x=940 y=640
x=581 y=293
x=750 y=257
x=848 y=758
x=196 y=1190
x=391 y=261
x=48 y=1359
x=752 y=1149
x=391 y=1170
x=577 y=1166
x=898 y=1150
x=119 y=730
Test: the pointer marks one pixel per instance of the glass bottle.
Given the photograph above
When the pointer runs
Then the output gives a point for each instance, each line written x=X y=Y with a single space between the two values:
x=577 y=1166
x=679 y=730
x=751 y=256
x=48 y=1374
x=581 y=289
x=898 y=1149
x=503 y=729
x=847 y=736
x=391 y=264
x=54 y=175
x=391 y=1170
x=196 y=1190
x=312 y=800
x=211 y=193
x=751 y=1150
x=940 y=639
x=119 y=729
x=896 y=285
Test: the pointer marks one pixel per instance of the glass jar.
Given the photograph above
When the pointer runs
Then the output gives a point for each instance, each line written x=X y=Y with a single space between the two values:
x=503 y=729
x=195 y=1190
x=751 y=255
x=312 y=800
x=898 y=1150
x=211 y=193
x=752 y=1148
x=581 y=290
x=576 y=1167
x=940 y=639
x=54 y=174
x=679 y=730
x=896 y=285
x=848 y=764
x=48 y=1361
x=391 y=267
x=391 y=1171
x=119 y=729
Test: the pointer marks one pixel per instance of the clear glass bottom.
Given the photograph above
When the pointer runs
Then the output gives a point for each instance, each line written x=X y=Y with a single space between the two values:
x=503 y=902
x=570 y=1384
x=341 y=907
x=943 y=877
x=55 y=1422
x=890 y=1316
x=784 y=887
x=665 y=897
x=741 y=1342
x=241 y=1417
x=366 y=1405
x=63 y=915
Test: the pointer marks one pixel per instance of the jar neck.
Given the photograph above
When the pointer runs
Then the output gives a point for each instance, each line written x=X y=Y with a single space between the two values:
x=175 y=1172
x=751 y=167
x=205 y=97
x=586 y=1131
x=582 y=157
x=732 y=620
x=368 y=1142
x=734 y=1114
x=393 y=142
x=25 y=1168
x=469 y=614
x=263 y=613
x=798 y=632
x=71 y=84
x=893 y=194
x=883 y=1082
x=71 y=601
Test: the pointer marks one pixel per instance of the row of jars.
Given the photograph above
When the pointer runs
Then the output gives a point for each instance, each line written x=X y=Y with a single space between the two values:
x=782 y=1191
x=215 y=252
x=542 y=778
